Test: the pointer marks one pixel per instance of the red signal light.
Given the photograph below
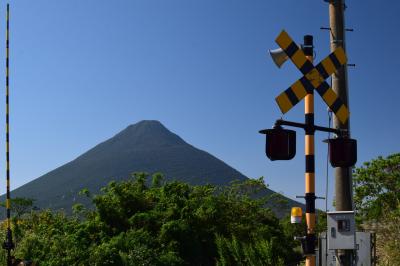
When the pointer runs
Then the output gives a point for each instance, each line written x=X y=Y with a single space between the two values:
x=280 y=143
x=342 y=152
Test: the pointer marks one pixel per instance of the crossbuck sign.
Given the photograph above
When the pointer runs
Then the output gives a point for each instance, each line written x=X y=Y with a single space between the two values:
x=314 y=78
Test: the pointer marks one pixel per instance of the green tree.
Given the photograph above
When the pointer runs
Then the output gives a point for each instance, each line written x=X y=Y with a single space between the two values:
x=377 y=200
x=19 y=206
x=185 y=219
x=160 y=224
x=258 y=252
x=377 y=187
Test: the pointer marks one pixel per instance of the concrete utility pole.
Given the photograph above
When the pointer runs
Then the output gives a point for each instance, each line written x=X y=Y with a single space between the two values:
x=343 y=175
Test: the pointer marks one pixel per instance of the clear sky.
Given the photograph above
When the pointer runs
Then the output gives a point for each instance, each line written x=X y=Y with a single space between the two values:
x=81 y=71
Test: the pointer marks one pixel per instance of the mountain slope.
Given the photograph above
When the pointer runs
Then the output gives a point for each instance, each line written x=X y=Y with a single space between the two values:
x=146 y=146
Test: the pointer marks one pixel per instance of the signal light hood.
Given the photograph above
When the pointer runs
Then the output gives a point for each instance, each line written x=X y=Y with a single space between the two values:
x=280 y=144
x=342 y=152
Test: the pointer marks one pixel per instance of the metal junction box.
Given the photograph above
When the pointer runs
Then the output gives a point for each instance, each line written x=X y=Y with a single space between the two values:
x=365 y=249
x=341 y=230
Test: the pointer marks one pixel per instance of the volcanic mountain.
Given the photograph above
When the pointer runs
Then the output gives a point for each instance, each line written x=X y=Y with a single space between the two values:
x=143 y=147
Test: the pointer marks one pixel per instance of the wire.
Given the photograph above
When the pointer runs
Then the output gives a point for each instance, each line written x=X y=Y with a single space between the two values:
x=326 y=183
x=327 y=162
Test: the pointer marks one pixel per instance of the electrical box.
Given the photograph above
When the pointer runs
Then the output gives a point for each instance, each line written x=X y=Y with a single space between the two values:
x=341 y=230
x=363 y=241
x=364 y=252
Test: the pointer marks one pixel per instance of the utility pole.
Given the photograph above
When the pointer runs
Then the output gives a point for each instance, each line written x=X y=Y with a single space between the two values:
x=343 y=175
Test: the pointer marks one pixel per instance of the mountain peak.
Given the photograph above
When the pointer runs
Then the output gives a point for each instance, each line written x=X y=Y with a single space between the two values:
x=147 y=125
x=147 y=146
x=148 y=133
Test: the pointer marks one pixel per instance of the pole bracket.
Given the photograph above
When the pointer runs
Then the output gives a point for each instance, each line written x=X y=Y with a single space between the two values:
x=339 y=132
x=303 y=197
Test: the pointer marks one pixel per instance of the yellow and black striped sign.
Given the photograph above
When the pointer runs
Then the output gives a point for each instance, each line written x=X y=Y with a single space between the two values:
x=314 y=78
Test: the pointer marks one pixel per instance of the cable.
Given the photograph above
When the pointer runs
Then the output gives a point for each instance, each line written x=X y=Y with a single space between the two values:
x=326 y=183
x=327 y=162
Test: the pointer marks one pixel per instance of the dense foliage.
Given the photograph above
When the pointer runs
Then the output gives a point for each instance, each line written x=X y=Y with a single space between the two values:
x=159 y=224
x=377 y=187
x=377 y=201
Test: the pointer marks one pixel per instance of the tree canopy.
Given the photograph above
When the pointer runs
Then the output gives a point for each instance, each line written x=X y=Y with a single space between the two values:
x=377 y=187
x=160 y=224
x=377 y=201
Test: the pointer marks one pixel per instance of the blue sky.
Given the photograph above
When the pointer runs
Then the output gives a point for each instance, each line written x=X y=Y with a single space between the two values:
x=83 y=70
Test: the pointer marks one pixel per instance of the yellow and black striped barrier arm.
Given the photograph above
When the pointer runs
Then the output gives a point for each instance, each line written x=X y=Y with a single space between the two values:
x=314 y=78
x=8 y=244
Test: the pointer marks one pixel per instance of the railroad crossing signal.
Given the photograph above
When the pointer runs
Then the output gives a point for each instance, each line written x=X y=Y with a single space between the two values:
x=314 y=78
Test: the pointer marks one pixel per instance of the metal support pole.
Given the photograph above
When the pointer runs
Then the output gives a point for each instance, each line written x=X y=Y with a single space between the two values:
x=8 y=244
x=310 y=162
x=343 y=177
